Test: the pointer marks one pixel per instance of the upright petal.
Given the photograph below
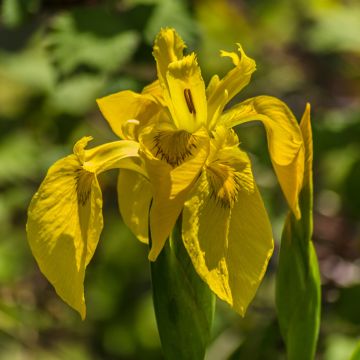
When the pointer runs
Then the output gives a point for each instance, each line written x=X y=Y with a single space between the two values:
x=168 y=47
x=134 y=199
x=226 y=230
x=186 y=99
x=221 y=91
x=284 y=137
x=65 y=216
x=181 y=80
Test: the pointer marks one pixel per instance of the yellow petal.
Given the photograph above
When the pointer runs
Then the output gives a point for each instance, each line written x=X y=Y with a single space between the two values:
x=186 y=98
x=168 y=47
x=170 y=185
x=225 y=227
x=229 y=247
x=113 y=155
x=154 y=91
x=220 y=92
x=64 y=225
x=134 y=198
x=127 y=111
x=250 y=248
x=65 y=219
x=284 y=140
x=205 y=229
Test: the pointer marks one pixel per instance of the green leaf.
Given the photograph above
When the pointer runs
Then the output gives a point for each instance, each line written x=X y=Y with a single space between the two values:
x=172 y=14
x=184 y=304
x=76 y=95
x=336 y=29
x=298 y=292
x=91 y=38
x=356 y=354
x=298 y=297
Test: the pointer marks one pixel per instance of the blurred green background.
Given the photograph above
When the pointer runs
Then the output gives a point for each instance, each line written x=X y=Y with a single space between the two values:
x=57 y=57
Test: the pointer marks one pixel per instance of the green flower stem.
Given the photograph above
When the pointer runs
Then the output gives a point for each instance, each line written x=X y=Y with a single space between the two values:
x=184 y=304
x=298 y=293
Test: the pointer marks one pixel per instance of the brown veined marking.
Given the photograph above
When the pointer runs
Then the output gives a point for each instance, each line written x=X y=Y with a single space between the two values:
x=174 y=146
x=83 y=185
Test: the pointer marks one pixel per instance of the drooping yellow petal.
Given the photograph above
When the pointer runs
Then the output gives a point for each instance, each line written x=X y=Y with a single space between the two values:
x=171 y=173
x=168 y=47
x=250 y=248
x=134 y=198
x=65 y=218
x=205 y=229
x=64 y=225
x=284 y=140
x=127 y=111
x=228 y=238
x=221 y=91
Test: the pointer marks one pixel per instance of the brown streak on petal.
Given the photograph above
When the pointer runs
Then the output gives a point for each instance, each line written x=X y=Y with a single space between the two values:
x=174 y=146
x=189 y=101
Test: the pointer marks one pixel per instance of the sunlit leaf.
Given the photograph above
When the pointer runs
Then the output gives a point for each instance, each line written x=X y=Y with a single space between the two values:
x=76 y=95
x=336 y=29
x=90 y=38
x=172 y=14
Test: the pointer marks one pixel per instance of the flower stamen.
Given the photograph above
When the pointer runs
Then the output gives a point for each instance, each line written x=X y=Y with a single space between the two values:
x=189 y=101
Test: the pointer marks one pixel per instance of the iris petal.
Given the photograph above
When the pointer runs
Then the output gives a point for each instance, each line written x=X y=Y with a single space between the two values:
x=170 y=186
x=168 y=47
x=229 y=246
x=221 y=91
x=285 y=141
x=187 y=99
x=65 y=216
x=127 y=105
x=134 y=198
x=63 y=229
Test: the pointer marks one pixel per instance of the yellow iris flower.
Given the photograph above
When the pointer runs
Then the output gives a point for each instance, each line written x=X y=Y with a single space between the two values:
x=178 y=157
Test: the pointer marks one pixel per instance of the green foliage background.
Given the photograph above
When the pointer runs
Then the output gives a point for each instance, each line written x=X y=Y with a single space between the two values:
x=57 y=57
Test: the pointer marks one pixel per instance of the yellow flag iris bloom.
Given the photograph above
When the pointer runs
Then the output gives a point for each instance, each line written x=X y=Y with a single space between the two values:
x=178 y=157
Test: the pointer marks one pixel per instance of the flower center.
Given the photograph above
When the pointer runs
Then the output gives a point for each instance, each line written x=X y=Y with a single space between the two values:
x=225 y=183
x=174 y=146
x=83 y=185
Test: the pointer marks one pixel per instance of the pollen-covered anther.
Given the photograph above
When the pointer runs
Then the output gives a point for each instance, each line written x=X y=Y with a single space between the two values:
x=189 y=101
x=83 y=180
x=174 y=146
x=225 y=184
